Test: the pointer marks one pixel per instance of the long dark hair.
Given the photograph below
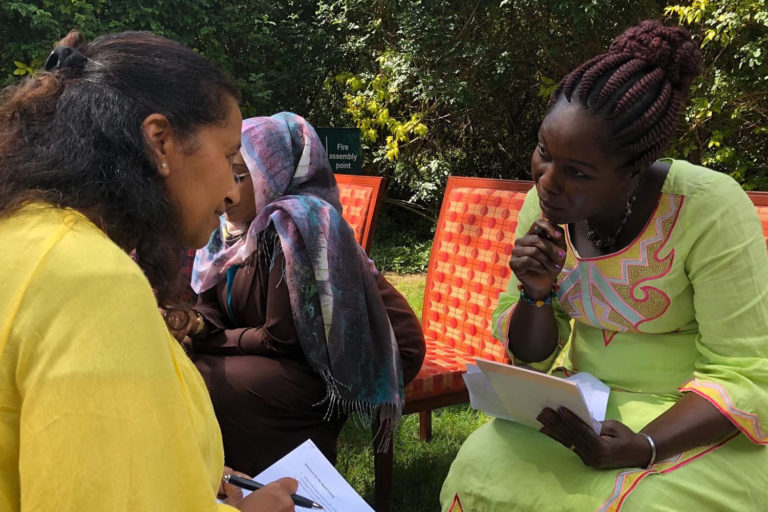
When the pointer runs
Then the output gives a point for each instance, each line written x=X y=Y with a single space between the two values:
x=72 y=137
x=639 y=86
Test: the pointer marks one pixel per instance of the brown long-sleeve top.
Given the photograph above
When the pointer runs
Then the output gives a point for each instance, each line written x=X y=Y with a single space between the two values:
x=261 y=321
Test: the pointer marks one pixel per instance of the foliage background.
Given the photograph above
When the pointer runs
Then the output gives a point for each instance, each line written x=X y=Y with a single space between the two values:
x=437 y=87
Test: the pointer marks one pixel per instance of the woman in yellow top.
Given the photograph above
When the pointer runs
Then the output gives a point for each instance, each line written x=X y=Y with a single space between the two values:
x=123 y=143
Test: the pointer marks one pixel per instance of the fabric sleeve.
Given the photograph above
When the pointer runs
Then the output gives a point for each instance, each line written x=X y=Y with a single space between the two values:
x=277 y=336
x=407 y=329
x=208 y=306
x=113 y=416
x=508 y=298
x=728 y=270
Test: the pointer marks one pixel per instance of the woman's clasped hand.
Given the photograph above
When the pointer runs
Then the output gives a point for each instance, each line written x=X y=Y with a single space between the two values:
x=538 y=258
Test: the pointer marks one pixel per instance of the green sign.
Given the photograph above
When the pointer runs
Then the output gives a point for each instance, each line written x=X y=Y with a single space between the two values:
x=343 y=147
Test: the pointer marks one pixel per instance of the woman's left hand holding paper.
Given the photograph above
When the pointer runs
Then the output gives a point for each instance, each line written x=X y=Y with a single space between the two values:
x=617 y=446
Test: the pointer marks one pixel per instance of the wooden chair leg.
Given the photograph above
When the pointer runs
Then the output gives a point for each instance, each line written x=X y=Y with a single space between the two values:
x=425 y=425
x=383 y=464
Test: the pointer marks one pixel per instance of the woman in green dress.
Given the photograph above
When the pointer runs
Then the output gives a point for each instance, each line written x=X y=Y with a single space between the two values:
x=651 y=275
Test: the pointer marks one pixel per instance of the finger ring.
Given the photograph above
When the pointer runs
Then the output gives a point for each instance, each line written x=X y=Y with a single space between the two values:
x=572 y=448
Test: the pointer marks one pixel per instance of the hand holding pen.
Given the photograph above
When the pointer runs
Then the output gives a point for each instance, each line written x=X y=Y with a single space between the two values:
x=274 y=497
x=251 y=485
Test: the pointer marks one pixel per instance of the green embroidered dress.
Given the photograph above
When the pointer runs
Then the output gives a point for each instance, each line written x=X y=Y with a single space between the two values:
x=684 y=308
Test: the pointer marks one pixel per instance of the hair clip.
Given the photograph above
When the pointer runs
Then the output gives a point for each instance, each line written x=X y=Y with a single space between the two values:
x=64 y=57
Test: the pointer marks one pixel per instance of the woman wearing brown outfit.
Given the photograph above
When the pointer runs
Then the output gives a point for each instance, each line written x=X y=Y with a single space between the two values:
x=297 y=328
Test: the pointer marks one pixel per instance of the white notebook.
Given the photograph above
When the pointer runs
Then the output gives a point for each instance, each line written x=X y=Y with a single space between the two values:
x=518 y=394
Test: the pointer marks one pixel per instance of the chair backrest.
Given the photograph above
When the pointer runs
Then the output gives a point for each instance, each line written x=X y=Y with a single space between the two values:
x=361 y=198
x=468 y=266
x=760 y=199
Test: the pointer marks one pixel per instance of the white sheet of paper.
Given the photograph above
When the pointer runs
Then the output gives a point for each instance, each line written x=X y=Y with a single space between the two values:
x=318 y=480
x=595 y=394
x=481 y=394
x=518 y=394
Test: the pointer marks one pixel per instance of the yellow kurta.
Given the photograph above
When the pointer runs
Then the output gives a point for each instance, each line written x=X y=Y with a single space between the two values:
x=100 y=409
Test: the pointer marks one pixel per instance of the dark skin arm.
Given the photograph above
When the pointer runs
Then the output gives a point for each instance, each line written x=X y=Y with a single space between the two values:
x=691 y=422
x=536 y=261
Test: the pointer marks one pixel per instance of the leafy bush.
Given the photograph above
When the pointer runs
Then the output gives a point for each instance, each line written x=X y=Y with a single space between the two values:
x=437 y=88
x=442 y=90
x=727 y=119
x=275 y=50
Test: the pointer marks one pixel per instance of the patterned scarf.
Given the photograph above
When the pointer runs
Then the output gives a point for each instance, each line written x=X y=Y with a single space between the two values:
x=338 y=312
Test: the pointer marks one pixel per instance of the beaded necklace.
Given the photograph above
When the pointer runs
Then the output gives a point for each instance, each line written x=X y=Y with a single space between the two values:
x=609 y=243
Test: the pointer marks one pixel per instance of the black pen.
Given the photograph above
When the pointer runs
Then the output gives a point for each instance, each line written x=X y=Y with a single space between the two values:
x=252 y=485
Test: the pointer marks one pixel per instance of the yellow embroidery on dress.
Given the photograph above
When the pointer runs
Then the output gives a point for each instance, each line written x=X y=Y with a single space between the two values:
x=627 y=481
x=716 y=394
x=613 y=293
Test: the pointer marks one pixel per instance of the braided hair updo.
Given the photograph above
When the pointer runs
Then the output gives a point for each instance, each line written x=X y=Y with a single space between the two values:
x=639 y=87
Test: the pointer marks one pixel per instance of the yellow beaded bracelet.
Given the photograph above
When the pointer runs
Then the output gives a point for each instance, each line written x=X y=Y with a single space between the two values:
x=538 y=302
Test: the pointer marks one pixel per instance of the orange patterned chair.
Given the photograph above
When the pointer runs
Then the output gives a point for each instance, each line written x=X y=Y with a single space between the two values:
x=760 y=199
x=468 y=268
x=361 y=198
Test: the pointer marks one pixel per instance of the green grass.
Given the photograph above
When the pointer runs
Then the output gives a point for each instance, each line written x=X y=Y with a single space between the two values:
x=420 y=468
x=411 y=286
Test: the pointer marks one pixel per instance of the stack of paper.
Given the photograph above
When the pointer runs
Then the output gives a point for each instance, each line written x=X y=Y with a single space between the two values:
x=517 y=394
x=318 y=480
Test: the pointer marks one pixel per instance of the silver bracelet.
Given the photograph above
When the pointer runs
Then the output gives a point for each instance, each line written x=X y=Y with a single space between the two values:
x=653 y=449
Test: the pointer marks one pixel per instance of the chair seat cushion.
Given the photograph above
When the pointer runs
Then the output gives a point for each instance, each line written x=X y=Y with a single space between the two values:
x=441 y=372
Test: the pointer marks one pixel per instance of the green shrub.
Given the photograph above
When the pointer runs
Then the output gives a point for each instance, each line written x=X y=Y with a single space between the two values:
x=276 y=51
x=727 y=118
x=436 y=91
